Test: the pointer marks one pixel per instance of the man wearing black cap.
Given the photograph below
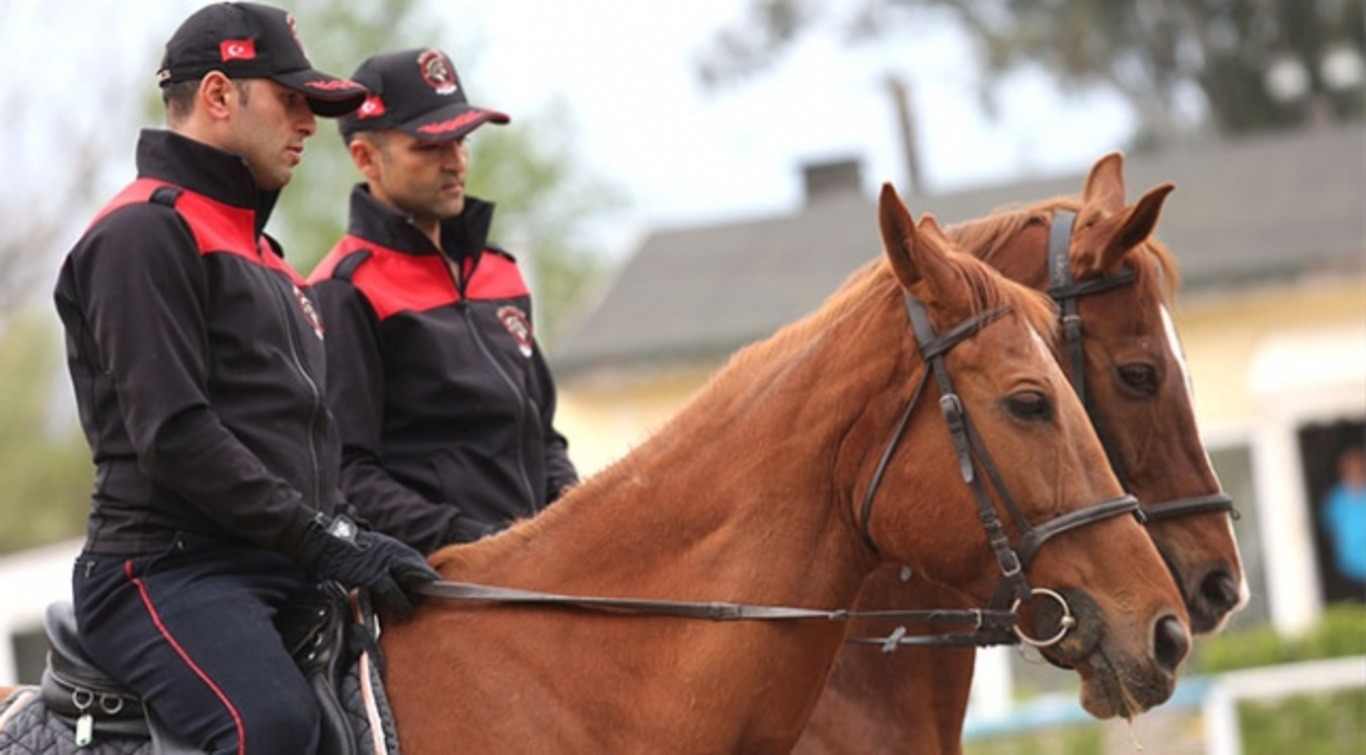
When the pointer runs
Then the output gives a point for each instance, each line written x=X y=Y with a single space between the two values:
x=197 y=359
x=444 y=401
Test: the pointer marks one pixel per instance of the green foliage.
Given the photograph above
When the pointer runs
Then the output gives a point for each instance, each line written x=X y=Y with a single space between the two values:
x=1325 y=724
x=1153 y=54
x=1340 y=632
x=45 y=474
x=1088 y=739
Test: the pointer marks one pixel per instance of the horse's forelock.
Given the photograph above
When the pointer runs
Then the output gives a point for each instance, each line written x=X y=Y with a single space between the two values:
x=991 y=290
x=1154 y=266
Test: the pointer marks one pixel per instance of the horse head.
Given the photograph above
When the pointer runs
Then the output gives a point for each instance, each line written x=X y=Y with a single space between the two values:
x=1127 y=364
x=1013 y=422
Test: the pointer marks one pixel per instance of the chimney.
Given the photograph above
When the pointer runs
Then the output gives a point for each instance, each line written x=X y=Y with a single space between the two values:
x=832 y=178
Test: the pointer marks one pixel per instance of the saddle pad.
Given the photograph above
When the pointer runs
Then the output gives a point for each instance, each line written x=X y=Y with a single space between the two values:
x=29 y=728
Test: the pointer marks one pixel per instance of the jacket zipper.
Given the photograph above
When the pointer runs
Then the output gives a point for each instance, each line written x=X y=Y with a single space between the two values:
x=458 y=280
x=295 y=347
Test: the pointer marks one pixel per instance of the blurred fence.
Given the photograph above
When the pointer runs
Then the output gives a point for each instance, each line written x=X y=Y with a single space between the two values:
x=1219 y=714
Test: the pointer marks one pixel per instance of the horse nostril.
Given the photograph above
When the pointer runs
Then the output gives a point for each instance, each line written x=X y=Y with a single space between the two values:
x=1170 y=644
x=1220 y=590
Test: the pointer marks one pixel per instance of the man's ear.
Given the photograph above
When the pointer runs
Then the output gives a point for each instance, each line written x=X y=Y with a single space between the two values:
x=365 y=154
x=217 y=95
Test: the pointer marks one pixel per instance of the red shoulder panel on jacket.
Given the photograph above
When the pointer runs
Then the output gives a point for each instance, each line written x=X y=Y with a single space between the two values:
x=217 y=227
x=497 y=277
x=396 y=282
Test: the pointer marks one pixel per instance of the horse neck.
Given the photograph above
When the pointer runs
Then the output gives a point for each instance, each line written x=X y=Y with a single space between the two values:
x=734 y=499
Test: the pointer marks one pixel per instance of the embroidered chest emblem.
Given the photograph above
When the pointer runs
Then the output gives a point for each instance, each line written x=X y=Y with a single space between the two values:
x=310 y=312
x=518 y=326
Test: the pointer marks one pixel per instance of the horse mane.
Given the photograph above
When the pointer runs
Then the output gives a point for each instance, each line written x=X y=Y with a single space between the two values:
x=1154 y=266
x=874 y=280
x=750 y=370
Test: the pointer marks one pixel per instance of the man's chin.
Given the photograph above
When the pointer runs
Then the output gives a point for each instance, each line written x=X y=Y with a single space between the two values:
x=452 y=207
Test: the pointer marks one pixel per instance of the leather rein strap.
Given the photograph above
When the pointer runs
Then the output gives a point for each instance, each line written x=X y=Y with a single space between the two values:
x=709 y=610
x=997 y=624
x=1065 y=291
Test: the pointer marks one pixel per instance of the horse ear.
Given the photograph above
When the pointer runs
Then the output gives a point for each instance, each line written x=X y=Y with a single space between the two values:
x=1135 y=225
x=941 y=280
x=898 y=236
x=1104 y=187
x=918 y=254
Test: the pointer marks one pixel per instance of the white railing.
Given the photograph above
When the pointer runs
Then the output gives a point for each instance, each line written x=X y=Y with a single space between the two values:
x=1220 y=706
x=1215 y=697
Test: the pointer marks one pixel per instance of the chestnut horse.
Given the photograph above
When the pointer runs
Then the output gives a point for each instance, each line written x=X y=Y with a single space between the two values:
x=807 y=461
x=1135 y=386
x=810 y=459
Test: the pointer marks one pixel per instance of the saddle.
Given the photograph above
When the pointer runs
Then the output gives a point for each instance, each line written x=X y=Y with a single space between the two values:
x=73 y=688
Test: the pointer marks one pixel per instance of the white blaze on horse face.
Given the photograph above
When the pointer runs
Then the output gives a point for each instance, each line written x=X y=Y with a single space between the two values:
x=1174 y=342
x=1041 y=344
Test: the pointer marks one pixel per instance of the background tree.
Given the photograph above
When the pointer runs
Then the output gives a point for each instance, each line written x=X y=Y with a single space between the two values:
x=1252 y=64
x=45 y=472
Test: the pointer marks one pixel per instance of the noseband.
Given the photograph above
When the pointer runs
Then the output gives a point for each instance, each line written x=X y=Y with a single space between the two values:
x=1066 y=292
x=1013 y=588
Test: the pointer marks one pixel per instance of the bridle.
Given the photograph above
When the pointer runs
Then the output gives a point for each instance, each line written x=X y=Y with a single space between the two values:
x=1066 y=292
x=1013 y=588
x=995 y=625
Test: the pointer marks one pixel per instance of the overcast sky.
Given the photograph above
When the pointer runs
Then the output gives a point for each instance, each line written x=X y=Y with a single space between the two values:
x=624 y=71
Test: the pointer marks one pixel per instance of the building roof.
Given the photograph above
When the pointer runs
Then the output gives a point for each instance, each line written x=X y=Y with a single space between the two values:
x=1253 y=212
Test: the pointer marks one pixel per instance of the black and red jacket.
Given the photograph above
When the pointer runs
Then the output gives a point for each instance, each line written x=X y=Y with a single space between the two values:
x=197 y=359
x=444 y=400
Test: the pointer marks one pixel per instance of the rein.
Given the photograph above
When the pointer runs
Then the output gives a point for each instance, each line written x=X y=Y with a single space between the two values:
x=995 y=625
x=999 y=621
x=1066 y=292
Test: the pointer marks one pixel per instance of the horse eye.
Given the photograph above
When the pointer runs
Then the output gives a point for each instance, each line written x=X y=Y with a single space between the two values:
x=1139 y=377
x=1031 y=406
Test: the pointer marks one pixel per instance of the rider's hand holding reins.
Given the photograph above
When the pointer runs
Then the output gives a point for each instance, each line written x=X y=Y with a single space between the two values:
x=335 y=548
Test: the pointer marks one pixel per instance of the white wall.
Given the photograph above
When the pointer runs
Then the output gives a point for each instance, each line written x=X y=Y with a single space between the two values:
x=29 y=581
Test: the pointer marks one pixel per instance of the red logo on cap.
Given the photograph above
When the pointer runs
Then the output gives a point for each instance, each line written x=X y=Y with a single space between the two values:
x=237 y=49
x=451 y=124
x=373 y=107
x=343 y=85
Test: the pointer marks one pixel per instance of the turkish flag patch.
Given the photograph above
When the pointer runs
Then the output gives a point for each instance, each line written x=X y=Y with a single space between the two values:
x=237 y=49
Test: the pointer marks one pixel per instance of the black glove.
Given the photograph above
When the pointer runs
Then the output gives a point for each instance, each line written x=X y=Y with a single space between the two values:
x=335 y=548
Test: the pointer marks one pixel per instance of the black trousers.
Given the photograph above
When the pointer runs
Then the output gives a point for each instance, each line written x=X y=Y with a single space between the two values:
x=191 y=630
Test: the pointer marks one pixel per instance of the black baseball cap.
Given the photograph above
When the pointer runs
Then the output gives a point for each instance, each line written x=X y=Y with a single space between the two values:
x=254 y=41
x=418 y=92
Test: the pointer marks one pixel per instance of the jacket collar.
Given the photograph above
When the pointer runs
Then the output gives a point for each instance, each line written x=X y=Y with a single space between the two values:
x=463 y=236
x=204 y=169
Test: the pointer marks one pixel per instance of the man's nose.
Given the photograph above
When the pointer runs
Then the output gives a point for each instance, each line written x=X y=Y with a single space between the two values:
x=454 y=156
